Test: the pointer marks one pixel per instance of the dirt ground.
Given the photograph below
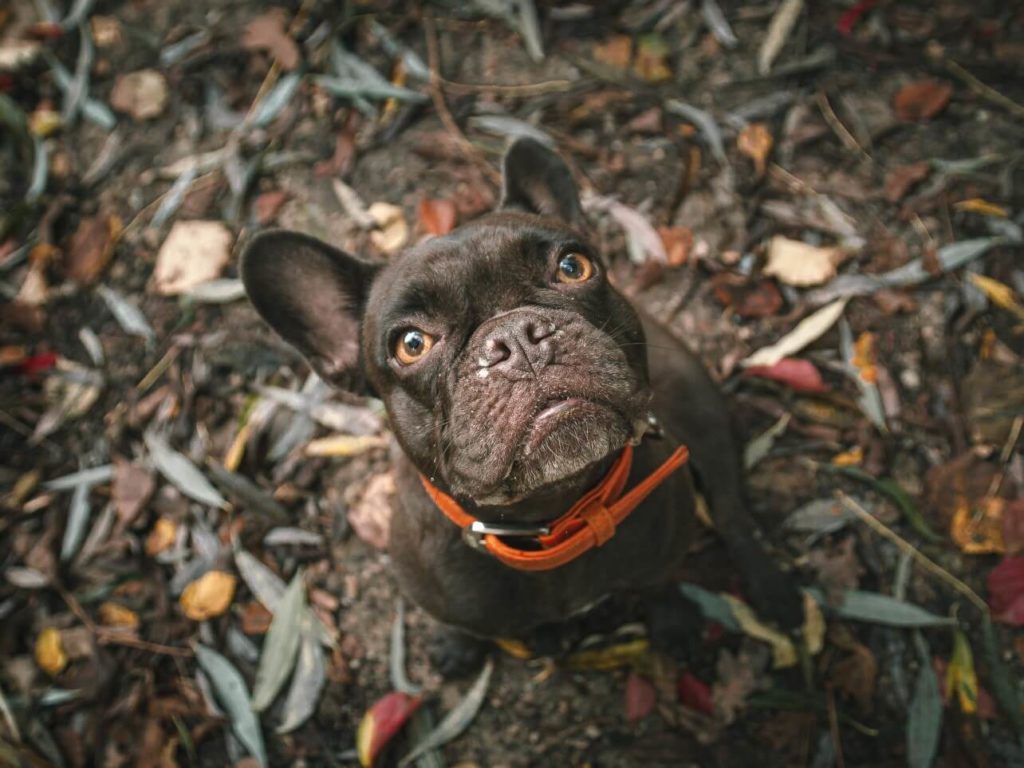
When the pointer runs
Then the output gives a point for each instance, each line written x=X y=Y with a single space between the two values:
x=745 y=165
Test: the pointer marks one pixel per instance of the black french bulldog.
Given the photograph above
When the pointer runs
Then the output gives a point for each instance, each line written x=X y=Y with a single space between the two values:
x=514 y=377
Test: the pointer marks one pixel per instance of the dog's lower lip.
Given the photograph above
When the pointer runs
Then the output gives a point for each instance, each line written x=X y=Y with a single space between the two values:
x=557 y=407
x=547 y=420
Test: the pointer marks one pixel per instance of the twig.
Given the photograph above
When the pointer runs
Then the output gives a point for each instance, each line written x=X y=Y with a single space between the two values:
x=985 y=91
x=437 y=96
x=275 y=68
x=1004 y=456
x=905 y=546
x=527 y=89
x=837 y=126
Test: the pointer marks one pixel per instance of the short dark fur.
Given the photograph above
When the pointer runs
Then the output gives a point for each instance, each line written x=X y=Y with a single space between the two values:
x=511 y=340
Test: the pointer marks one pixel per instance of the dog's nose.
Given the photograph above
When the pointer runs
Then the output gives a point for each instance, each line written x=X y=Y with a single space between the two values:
x=517 y=345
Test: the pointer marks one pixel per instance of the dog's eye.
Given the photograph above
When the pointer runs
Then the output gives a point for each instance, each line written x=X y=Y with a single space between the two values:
x=575 y=268
x=412 y=345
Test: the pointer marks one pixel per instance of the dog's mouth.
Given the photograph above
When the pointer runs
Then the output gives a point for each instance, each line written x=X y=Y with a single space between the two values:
x=555 y=415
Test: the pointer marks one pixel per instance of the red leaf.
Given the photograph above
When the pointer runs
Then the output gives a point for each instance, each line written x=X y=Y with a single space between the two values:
x=437 y=217
x=849 y=19
x=382 y=722
x=921 y=100
x=798 y=375
x=640 y=697
x=30 y=366
x=1006 y=591
x=695 y=693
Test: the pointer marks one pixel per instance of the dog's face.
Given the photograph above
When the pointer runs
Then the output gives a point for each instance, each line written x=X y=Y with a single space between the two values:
x=507 y=363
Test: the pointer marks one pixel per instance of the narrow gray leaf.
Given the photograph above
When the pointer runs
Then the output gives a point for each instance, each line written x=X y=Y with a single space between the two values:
x=352 y=89
x=717 y=23
x=778 y=32
x=414 y=65
x=308 y=680
x=181 y=472
x=339 y=417
x=876 y=608
x=265 y=585
x=254 y=497
x=456 y=721
x=820 y=516
x=1001 y=679
x=79 y=86
x=278 y=98
x=396 y=655
x=128 y=316
x=924 y=718
x=704 y=122
x=40 y=169
x=92 y=345
x=281 y=645
x=78 y=519
x=510 y=127
x=175 y=52
x=285 y=535
x=232 y=694
x=26 y=578
x=174 y=197
x=89 y=477
x=711 y=605
x=222 y=291
x=758 y=448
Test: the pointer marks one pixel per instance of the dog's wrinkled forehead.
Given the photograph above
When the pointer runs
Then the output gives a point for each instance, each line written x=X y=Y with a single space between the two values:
x=490 y=265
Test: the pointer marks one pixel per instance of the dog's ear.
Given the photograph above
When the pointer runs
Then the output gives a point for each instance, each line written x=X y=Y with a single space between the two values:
x=313 y=295
x=537 y=180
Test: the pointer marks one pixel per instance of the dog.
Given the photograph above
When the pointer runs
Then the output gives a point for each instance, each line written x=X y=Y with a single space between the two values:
x=553 y=442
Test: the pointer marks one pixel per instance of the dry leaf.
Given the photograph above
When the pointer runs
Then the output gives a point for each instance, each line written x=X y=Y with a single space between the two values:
x=678 y=242
x=735 y=681
x=864 y=358
x=267 y=33
x=267 y=206
x=132 y=486
x=106 y=31
x=798 y=264
x=921 y=100
x=142 y=94
x=651 y=55
x=345 y=445
x=162 y=537
x=856 y=676
x=904 y=178
x=256 y=619
x=1005 y=585
x=851 y=458
x=984 y=207
x=436 y=217
x=756 y=299
x=838 y=568
x=392 y=232
x=91 y=247
x=961 y=677
x=807 y=330
x=114 y=615
x=998 y=293
x=194 y=252
x=371 y=515
x=978 y=529
x=50 y=654
x=640 y=697
x=208 y=596
x=755 y=141
x=616 y=51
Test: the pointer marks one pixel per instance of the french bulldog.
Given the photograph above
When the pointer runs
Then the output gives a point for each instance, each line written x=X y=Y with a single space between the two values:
x=516 y=379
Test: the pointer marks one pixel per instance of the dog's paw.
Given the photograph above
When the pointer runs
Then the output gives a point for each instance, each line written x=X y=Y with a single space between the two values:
x=776 y=597
x=674 y=624
x=455 y=654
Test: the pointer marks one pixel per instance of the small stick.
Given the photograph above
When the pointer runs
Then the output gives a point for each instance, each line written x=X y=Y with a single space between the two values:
x=524 y=90
x=905 y=546
x=841 y=130
x=1004 y=456
x=985 y=91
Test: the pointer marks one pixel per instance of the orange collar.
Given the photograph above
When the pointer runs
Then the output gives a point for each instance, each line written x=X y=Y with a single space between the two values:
x=589 y=523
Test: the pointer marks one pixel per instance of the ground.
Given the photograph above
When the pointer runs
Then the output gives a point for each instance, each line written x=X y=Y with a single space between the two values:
x=878 y=135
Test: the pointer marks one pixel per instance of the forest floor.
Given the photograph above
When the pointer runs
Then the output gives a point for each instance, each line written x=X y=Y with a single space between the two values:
x=845 y=176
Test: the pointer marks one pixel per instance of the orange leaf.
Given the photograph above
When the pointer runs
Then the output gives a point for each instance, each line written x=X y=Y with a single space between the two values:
x=922 y=100
x=437 y=217
x=115 y=615
x=162 y=537
x=651 y=55
x=678 y=242
x=50 y=654
x=864 y=357
x=979 y=531
x=755 y=141
x=208 y=596
x=616 y=51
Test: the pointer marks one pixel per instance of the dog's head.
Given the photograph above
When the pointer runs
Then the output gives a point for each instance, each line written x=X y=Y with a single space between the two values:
x=507 y=363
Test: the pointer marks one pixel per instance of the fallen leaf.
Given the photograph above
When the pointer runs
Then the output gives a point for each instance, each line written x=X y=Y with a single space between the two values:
x=611 y=656
x=616 y=51
x=856 y=676
x=977 y=529
x=864 y=358
x=391 y=231
x=194 y=252
x=808 y=330
x=208 y=596
x=924 y=718
x=381 y=723
x=651 y=59
x=1013 y=526
x=905 y=178
x=91 y=247
x=797 y=374
x=734 y=683
x=181 y=472
x=921 y=100
x=255 y=619
x=131 y=489
x=750 y=299
x=761 y=445
x=779 y=30
x=436 y=216
x=162 y=537
x=755 y=141
x=783 y=651
x=678 y=242
x=142 y=94
x=999 y=294
x=1005 y=585
x=694 y=693
x=267 y=33
x=229 y=686
x=370 y=517
x=44 y=122
x=981 y=206
x=115 y=615
x=640 y=697
x=307 y=682
x=50 y=654
x=837 y=568
x=345 y=445
x=267 y=205
x=960 y=675
x=281 y=645
x=876 y=608
x=799 y=264
x=106 y=31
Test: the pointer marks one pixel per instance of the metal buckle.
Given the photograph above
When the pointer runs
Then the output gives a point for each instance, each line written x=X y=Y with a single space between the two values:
x=481 y=528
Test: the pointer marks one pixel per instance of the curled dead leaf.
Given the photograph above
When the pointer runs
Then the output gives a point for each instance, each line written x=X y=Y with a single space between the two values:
x=192 y=253
x=91 y=247
x=162 y=537
x=208 y=596
x=116 y=615
x=678 y=242
x=978 y=529
x=755 y=141
x=50 y=655
x=392 y=231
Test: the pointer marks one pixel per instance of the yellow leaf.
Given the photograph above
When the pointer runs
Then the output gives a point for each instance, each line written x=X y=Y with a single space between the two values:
x=851 y=458
x=514 y=648
x=755 y=141
x=50 y=654
x=236 y=450
x=610 y=657
x=344 y=445
x=651 y=54
x=783 y=650
x=984 y=207
x=208 y=596
x=864 y=357
x=115 y=615
x=978 y=531
x=44 y=122
x=960 y=676
x=162 y=537
x=998 y=293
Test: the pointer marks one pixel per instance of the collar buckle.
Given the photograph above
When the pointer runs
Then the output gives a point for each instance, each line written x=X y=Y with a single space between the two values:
x=518 y=530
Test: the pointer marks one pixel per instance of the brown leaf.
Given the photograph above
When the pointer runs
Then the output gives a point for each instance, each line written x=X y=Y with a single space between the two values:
x=856 y=675
x=1013 y=526
x=735 y=682
x=116 y=615
x=678 y=242
x=837 y=567
x=977 y=528
x=648 y=122
x=758 y=299
x=142 y=94
x=905 y=178
x=436 y=216
x=132 y=487
x=208 y=596
x=267 y=33
x=162 y=537
x=91 y=247
x=268 y=204
x=371 y=515
x=921 y=100
x=340 y=163
x=616 y=51
x=256 y=619
x=755 y=141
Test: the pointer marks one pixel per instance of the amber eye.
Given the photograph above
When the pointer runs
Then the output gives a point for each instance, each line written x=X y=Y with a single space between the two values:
x=412 y=345
x=575 y=268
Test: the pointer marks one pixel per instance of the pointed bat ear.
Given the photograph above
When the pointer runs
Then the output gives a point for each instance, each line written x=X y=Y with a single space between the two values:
x=537 y=180
x=313 y=296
